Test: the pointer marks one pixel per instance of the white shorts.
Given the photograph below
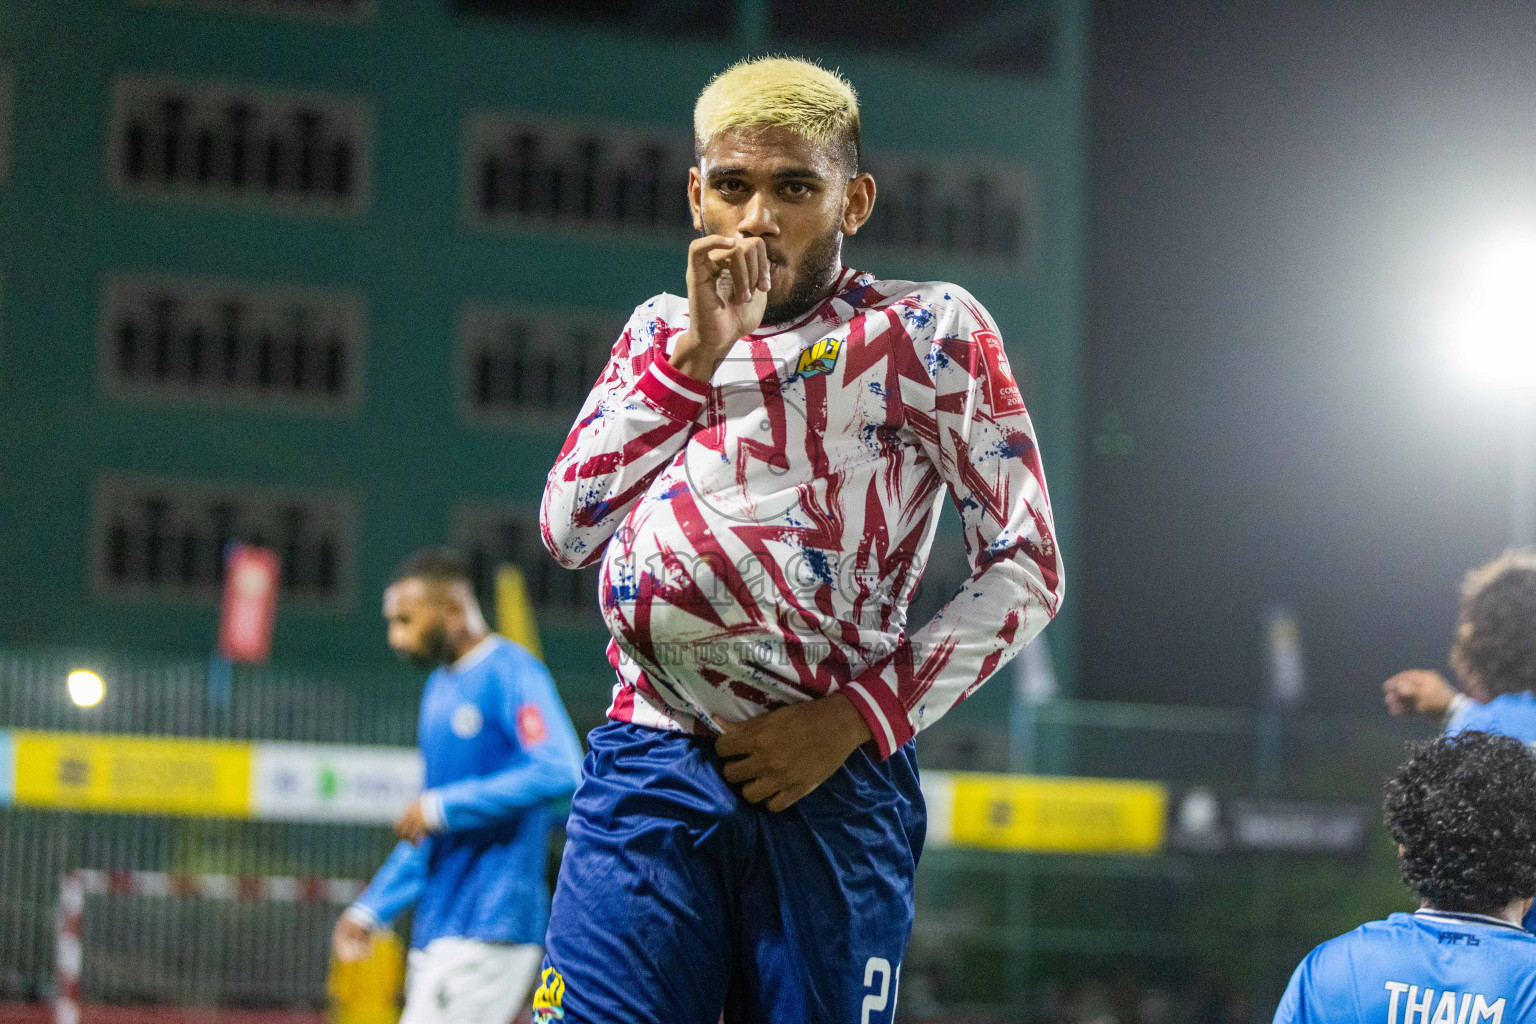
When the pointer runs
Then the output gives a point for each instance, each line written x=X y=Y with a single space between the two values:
x=466 y=981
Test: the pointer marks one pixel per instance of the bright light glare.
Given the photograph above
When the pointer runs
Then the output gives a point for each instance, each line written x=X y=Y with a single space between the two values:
x=86 y=688
x=1492 y=327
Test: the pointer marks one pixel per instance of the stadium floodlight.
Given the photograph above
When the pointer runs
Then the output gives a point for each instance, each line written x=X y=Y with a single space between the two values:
x=1492 y=323
x=85 y=688
x=1491 y=328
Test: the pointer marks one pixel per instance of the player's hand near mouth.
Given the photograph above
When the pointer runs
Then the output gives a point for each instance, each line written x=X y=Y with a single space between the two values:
x=728 y=283
x=783 y=755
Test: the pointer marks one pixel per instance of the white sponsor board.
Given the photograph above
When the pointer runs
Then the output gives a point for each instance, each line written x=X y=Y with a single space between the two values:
x=313 y=782
x=939 y=795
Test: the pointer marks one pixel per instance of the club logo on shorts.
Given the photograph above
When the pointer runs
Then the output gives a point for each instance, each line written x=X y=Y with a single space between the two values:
x=466 y=721
x=820 y=357
x=549 y=996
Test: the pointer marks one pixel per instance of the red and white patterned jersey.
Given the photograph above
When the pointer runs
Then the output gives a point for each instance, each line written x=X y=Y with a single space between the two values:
x=762 y=534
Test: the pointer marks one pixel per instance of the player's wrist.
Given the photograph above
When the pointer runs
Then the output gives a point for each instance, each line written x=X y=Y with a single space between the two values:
x=694 y=357
x=434 y=814
x=363 y=917
x=1438 y=696
x=849 y=722
x=1458 y=703
x=686 y=358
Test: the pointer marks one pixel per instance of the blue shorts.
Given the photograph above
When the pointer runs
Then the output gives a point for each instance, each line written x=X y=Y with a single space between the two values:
x=677 y=899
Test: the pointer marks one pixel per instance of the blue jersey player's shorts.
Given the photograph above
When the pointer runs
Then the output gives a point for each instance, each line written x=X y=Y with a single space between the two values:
x=678 y=899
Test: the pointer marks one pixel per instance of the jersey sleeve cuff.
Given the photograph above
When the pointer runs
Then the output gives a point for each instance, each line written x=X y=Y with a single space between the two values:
x=362 y=915
x=433 y=812
x=886 y=718
x=1455 y=708
x=671 y=390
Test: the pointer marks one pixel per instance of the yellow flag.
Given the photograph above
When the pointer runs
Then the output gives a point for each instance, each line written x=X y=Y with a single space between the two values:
x=514 y=612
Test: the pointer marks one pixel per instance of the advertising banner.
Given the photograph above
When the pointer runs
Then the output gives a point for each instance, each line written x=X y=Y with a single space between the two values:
x=143 y=774
x=309 y=782
x=1045 y=814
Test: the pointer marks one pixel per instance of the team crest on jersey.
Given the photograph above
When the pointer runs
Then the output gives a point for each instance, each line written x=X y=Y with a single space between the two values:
x=549 y=997
x=820 y=357
x=466 y=721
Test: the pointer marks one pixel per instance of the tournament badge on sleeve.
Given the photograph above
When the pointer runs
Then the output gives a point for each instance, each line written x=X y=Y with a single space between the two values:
x=1002 y=390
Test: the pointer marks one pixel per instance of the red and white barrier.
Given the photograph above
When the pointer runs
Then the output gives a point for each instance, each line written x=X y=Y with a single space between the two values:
x=66 y=955
x=76 y=885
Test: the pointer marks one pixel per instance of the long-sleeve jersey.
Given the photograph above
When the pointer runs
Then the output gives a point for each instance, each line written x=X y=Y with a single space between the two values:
x=762 y=534
x=1431 y=967
x=500 y=752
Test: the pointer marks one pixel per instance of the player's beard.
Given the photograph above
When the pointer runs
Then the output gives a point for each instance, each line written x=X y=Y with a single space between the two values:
x=813 y=277
x=435 y=649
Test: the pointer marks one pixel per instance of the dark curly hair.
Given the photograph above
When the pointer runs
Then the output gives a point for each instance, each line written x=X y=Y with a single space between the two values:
x=1496 y=631
x=1463 y=808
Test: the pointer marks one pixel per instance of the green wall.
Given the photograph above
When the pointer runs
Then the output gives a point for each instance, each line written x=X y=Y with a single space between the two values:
x=404 y=456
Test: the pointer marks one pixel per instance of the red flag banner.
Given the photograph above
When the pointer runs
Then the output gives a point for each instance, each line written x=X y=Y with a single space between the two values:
x=250 y=603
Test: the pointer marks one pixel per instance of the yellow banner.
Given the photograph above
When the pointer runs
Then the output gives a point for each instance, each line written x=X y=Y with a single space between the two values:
x=132 y=773
x=1058 y=815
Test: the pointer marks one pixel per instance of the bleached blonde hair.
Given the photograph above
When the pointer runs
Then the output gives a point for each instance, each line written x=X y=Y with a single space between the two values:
x=781 y=92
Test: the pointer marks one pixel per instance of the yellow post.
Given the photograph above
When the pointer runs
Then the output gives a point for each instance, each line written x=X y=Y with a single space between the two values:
x=368 y=991
x=514 y=612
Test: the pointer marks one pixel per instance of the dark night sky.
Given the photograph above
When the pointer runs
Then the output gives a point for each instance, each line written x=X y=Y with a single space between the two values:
x=1278 y=196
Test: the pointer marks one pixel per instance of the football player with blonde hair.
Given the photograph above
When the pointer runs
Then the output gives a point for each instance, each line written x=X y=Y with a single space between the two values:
x=759 y=473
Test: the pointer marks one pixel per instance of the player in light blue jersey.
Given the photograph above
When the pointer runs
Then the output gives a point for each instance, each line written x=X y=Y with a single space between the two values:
x=501 y=756
x=1493 y=656
x=1463 y=812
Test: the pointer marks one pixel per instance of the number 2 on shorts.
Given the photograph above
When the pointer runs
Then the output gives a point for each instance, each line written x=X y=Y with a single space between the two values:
x=877 y=1001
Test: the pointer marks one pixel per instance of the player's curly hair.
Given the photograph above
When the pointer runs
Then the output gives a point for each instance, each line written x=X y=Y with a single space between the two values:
x=1463 y=808
x=1496 y=631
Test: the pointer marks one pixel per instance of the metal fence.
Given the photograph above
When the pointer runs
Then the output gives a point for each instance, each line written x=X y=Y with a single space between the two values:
x=183 y=949
x=178 y=949
x=181 y=699
x=996 y=934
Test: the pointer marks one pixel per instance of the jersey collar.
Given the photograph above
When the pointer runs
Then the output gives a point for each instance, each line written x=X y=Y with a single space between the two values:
x=475 y=655
x=1459 y=917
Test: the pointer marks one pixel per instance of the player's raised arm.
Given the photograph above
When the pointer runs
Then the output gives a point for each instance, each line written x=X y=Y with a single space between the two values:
x=634 y=421
x=1419 y=692
x=640 y=412
x=981 y=439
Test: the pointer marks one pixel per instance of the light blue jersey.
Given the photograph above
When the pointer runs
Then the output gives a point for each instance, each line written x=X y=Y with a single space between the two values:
x=500 y=756
x=1508 y=714
x=1431 y=967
